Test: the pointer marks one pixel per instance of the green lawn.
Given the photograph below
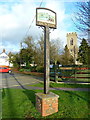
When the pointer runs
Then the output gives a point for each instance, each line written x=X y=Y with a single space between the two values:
x=52 y=84
x=69 y=85
x=20 y=103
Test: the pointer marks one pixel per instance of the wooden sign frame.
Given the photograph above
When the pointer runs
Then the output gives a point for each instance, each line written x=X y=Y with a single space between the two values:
x=46 y=17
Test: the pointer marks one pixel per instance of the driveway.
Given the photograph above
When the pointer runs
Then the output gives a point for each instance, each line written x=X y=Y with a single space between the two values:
x=15 y=79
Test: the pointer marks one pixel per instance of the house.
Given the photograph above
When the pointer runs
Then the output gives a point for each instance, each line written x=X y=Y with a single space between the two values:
x=4 y=59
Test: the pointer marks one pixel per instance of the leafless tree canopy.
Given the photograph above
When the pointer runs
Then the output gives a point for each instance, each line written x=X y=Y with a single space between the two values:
x=82 y=17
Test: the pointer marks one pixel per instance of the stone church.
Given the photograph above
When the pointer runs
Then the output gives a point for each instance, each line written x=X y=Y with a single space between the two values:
x=72 y=45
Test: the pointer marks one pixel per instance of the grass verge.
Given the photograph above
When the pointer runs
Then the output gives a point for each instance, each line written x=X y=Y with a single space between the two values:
x=64 y=85
x=20 y=103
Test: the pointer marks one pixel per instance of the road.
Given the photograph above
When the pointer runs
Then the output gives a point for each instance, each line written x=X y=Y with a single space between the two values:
x=15 y=79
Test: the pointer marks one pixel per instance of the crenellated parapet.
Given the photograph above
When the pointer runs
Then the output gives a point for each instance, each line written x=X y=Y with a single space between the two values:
x=71 y=34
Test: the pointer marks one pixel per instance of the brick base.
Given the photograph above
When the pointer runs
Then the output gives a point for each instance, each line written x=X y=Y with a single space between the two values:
x=47 y=104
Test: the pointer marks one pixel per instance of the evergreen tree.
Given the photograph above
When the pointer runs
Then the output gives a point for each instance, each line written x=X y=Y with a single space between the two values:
x=89 y=55
x=83 y=54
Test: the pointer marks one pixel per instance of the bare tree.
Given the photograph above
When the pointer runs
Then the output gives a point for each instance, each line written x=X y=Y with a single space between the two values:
x=82 y=17
x=54 y=51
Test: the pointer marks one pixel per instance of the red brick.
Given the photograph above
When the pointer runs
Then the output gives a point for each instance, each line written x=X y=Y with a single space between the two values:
x=48 y=104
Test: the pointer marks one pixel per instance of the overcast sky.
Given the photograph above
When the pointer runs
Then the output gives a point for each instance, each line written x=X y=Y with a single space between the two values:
x=17 y=15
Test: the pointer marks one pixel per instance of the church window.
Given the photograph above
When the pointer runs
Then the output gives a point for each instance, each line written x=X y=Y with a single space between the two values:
x=71 y=50
x=71 y=41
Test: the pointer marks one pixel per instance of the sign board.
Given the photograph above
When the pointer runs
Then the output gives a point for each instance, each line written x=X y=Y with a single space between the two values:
x=45 y=17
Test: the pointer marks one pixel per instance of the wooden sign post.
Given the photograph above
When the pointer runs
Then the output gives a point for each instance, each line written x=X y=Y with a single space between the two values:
x=46 y=60
x=47 y=19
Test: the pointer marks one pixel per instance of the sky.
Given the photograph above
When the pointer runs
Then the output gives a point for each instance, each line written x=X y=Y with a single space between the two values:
x=17 y=21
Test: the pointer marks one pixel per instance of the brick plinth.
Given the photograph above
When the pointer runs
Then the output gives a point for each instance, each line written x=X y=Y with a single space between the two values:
x=47 y=104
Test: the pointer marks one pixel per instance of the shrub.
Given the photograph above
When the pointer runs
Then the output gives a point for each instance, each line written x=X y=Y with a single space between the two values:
x=21 y=70
x=40 y=69
x=27 y=70
x=33 y=69
x=27 y=67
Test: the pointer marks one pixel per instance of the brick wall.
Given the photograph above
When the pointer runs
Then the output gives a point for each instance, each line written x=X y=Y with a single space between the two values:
x=46 y=104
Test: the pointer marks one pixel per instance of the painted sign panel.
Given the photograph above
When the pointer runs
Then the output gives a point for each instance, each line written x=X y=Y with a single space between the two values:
x=45 y=17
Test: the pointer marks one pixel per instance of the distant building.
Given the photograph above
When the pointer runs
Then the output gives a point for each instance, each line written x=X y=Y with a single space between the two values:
x=72 y=45
x=4 y=59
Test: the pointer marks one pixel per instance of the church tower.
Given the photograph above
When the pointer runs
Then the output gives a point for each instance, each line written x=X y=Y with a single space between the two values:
x=72 y=45
x=3 y=50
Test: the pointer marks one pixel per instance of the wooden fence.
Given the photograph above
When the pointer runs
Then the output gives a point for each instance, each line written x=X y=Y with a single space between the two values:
x=78 y=74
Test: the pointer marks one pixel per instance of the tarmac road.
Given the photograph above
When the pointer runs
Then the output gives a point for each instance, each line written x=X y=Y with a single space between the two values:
x=20 y=81
x=15 y=79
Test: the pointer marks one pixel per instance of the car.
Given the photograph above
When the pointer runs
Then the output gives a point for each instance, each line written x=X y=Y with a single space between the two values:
x=5 y=70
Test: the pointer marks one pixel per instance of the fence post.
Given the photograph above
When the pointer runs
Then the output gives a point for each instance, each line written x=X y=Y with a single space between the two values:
x=55 y=72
